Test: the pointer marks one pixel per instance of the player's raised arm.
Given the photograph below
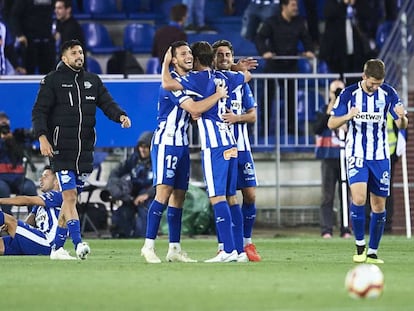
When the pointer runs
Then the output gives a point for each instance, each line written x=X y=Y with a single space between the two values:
x=168 y=82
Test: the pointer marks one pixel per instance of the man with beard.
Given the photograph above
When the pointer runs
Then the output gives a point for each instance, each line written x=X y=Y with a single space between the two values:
x=64 y=117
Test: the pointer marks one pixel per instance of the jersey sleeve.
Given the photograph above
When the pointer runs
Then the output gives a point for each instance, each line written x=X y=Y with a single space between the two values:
x=394 y=100
x=248 y=101
x=340 y=108
x=52 y=199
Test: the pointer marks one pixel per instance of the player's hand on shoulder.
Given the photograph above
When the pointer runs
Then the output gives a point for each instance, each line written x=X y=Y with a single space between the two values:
x=222 y=90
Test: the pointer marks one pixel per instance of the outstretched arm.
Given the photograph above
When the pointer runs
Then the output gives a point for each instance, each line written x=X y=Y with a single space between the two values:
x=23 y=200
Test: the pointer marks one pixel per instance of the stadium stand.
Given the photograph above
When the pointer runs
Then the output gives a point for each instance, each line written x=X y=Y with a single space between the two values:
x=97 y=39
x=138 y=37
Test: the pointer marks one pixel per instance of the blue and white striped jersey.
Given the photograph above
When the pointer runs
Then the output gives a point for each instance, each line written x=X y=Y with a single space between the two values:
x=367 y=132
x=172 y=120
x=242 y=100
x=46 y=217
x=202 y=84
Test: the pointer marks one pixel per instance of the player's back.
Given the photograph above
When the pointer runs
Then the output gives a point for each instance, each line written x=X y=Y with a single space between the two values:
x=213 y=131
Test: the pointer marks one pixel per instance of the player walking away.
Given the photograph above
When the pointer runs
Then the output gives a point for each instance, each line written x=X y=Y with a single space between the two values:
x=364 y=106
x=64 y=117
x=241 y=112
x=170 y=155
x=35 y=235
x=218 y=146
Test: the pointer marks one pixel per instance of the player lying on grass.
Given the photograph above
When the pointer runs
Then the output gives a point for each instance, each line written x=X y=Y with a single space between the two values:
x=35 y=235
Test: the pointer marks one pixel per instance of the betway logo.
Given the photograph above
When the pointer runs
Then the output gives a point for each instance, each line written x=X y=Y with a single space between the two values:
x=369 y=117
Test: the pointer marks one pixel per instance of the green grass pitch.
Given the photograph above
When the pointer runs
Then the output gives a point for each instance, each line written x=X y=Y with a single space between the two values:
x=297 y=273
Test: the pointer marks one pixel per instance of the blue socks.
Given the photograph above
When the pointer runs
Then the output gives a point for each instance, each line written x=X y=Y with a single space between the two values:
x=249 y=216
x=358 y=221
x=74 y=231
x=223 y=225
x=60 y=237
x=154 y=218
x=376 y=229
x=237 y=220
x=174 y=216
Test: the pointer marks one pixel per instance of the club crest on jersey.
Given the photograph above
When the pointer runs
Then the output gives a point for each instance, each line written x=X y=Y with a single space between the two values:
x=230 y=153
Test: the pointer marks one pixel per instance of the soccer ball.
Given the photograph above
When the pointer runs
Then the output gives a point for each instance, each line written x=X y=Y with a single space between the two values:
x=364 y=281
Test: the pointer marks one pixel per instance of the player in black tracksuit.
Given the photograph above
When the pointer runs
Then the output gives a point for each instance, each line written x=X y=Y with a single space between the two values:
x=64 y=119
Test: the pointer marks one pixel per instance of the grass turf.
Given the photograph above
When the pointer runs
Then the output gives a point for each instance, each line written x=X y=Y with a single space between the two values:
x=297 y=273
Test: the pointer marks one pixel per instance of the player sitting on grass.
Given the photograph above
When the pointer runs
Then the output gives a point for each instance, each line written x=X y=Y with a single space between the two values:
x=35 y=235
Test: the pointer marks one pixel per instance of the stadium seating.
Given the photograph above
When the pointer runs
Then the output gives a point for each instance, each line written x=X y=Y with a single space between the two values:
x=103 y=9
x=153 y=66
x=138 y=37
x=383 y=31
x=98 y=40
x=92 y=65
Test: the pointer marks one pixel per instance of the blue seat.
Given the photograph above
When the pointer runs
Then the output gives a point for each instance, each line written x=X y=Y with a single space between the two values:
x=92 y=65
x=103 y=9
x=134 y=11
x=98 y=40
x=313 y=103
x=153 y=66
x=304 y=66
x=138 y=37
x=383 y=31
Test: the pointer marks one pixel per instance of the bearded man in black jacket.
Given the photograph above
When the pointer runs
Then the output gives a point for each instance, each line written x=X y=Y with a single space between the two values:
x=64 y=117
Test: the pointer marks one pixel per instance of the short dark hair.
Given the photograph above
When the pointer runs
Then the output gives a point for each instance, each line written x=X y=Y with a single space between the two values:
x=68 y=45
x=66 y=3
x=203 y=51
x=375 y=68
x=48 y=167
x=176 y=45
x=178 y=12
x=220 y=43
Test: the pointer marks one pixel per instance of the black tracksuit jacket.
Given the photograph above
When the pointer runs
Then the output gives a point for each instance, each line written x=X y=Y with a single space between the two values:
x=65 y=111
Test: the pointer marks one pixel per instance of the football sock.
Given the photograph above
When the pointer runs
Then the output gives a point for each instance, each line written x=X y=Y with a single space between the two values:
x=376 y=229
x=223 y=225
x=1 y=218
x=174 y=216
x=154 y=218
x=247 y=241
x=249 y=216
x=60 y=237
x=237 y=220
x=74 y=231
x=358 y=220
